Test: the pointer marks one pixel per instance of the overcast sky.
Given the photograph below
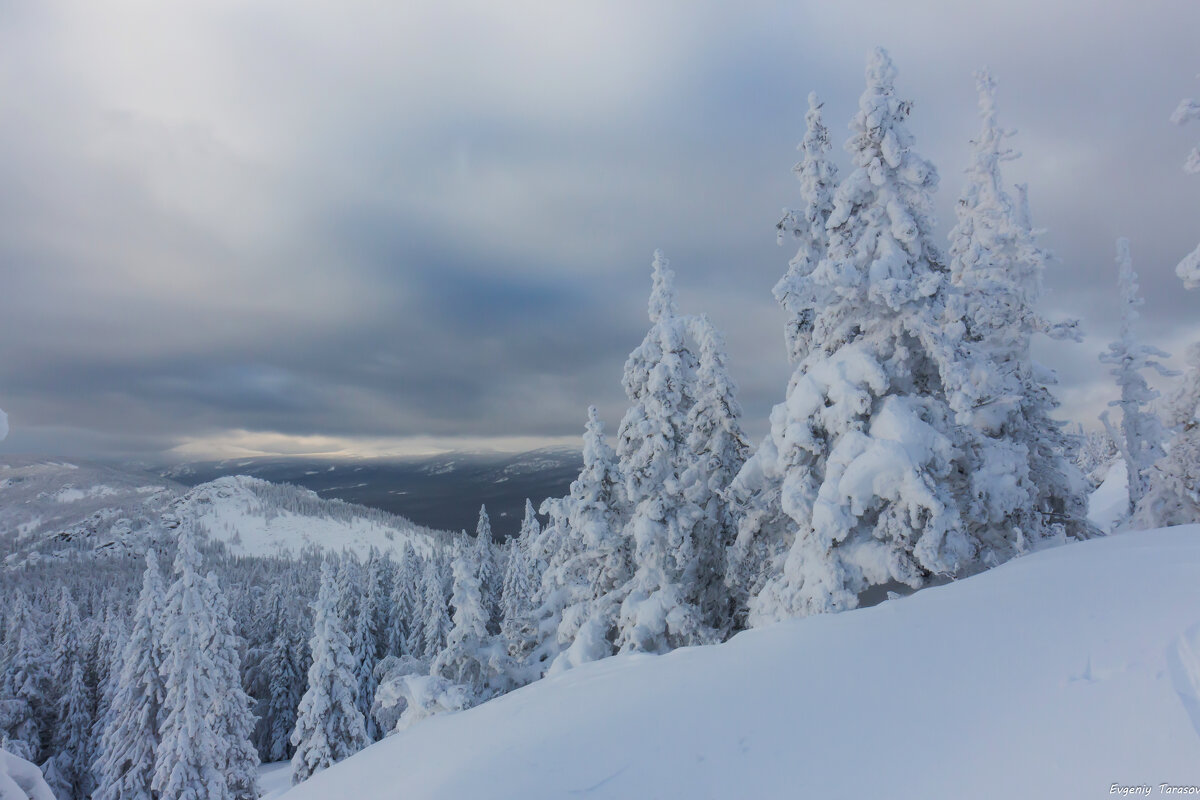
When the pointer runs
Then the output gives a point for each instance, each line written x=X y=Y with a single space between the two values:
x=231 y=227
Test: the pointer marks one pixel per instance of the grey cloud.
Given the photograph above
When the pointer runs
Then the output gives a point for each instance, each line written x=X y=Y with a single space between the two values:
x=384 y=222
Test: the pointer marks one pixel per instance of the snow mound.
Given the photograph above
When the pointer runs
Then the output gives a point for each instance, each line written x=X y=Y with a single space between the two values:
x=1058 y=674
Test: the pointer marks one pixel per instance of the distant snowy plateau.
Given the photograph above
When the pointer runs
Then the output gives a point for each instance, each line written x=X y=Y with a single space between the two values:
x=61 y=510
x=1073 y=672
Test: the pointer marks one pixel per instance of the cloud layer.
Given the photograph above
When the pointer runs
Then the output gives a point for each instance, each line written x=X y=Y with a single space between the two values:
x=363 y=227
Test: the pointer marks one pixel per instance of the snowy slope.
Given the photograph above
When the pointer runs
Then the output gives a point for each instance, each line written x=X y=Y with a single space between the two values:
x=256 y=518
x=1053 y=676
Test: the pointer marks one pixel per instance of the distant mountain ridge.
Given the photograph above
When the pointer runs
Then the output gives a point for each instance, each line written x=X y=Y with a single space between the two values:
x=60 y=509
x=442 y=492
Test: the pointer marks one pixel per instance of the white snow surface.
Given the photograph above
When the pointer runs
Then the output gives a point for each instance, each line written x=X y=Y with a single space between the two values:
x=20 y=780
x=70 y=494
x=274 y=779
x=1109 y=504
x=1058 y=674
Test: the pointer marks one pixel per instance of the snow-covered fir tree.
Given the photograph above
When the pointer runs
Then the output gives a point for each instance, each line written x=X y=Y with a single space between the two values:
x=235 y=721
x=329 y=725
x=1188 y=269
x=192 y=752
x=349 y=581
x=26 y=713
x=436 y=624
x=380 y=579
x=806 y=224
x=861 y=480
x=753 y=557
x=1173 y=491
x=1141 y=435
x=518 y=589
x=64 y=638
x=487 y=569
x=558 y=552
x=1097 y=453
x=592 y=584
x=1025 y=487
x=717 y=449
x=362 y=645
x=656 y=613
x=472 y=657
x=108 y=665
x=1173 y=494
x=68 y=772
x=286 y=684
x=406 y=636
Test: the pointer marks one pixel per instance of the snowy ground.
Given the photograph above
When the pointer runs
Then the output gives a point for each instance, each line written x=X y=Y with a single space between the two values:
x=274 y=779
x=1110 y=502
x=1057 y=675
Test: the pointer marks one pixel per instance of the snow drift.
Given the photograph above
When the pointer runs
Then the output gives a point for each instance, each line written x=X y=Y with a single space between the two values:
x=1058 y=674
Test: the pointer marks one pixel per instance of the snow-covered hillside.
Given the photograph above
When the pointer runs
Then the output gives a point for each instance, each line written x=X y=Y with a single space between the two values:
x=54 y=509
x=1056 y=675
x=257 y=518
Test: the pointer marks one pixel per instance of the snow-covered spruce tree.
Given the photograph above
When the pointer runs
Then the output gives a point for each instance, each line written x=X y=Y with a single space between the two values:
x=406 y=634
x=349 y=583
x=1141 y=435
x=1097 y=452
x=380 y=578
x=472 y=657
x=593 y=583
x=1025 y=486
x=753 y=557
x=717 y=450
x=558 y=550
x=285 y=688
x=25 y=711
x=329 y=726
x=1173 y=490
x=109 y=663
x=487 y=570
x=1173 y=494
x=362 y=645
x=656 y=614
x=861 y=479
x=436 y=623
x=234 y=719
x=517 y=592
x=1188 y=269
x=64 y=639
x=67 y=771
x=192 y=749
x=818 y=178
